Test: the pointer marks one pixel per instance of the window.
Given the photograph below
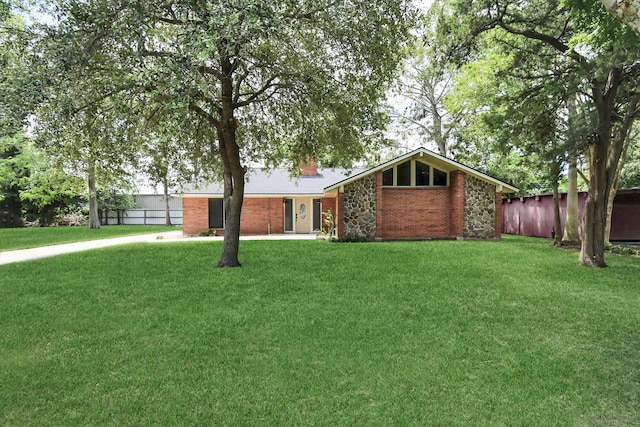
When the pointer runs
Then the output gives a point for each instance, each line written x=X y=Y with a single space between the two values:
x=387 y=177
x=439 y=177
x=216 y=213
x=404 y=174
x=317 y=214
x=422 y=174
x=414 y=173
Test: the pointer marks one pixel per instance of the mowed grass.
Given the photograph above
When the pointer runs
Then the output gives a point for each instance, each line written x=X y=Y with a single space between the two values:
x=23 y=238
x=314 y=333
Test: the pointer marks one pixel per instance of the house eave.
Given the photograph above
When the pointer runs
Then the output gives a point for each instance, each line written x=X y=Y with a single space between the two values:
x=501 y=186
x=256 y=196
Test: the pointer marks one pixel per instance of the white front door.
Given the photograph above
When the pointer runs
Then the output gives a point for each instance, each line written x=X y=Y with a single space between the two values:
x=304 y=215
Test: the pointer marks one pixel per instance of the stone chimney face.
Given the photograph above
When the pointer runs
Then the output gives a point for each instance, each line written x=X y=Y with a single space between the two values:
x=310 y=167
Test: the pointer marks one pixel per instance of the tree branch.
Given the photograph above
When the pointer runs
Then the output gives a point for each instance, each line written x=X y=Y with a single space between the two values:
x=586 y=180
x=547 y=39
x=205 y=115
x=203 y=69
x=256 y=95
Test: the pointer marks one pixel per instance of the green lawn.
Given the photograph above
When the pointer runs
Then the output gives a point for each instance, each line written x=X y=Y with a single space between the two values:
x=313 y=333
x=22 y=238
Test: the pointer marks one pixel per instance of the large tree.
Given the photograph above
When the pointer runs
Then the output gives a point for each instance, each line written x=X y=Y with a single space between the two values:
x=87 y=112
x=91 y=142
x=603 y=56
x=422 y=88
x=270 y=79
x=20 y=90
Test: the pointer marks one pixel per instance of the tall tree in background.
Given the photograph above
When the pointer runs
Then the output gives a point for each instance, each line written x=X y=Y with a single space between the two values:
x=165 y=158
x=271 y=79
x=426 y=81
x=92 y=143
x=87 y=116
x=606 y=64
x=20 y=90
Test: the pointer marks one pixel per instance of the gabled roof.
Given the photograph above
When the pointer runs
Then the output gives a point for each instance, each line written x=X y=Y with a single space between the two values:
x=279 y=182
x=451 y=164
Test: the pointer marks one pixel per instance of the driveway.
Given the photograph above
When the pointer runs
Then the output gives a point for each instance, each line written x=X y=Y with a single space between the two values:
x=20 y=255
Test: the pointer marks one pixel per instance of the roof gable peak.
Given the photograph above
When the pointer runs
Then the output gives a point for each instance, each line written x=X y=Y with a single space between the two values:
x=421 y=151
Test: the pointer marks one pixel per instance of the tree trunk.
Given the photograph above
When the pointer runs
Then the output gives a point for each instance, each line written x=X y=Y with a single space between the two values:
x=557 y=229
x=607 y=228
x=234 y=172
x=167 y=211
x=437 y=131
x=614 y=187
x=94 y=219
x=594 y=220
x=605 y=151
x=233 y=210
x=572 y=222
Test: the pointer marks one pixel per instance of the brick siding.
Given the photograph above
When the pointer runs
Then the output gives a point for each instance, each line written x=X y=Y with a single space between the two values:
x=195 y=215
x=258 y=215
x=261 y=215
x=456 y=186
x=404 y=213
x=415 y=212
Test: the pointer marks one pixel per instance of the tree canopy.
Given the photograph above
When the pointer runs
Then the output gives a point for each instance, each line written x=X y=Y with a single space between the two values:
x=559 y=49
x=249 y=79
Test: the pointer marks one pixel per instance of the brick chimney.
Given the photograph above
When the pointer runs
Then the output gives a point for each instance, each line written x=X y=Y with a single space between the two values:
x=309 y=168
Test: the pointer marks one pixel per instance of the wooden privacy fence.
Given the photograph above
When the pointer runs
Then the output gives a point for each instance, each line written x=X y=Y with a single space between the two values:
x=533 y=215
x=141 y=217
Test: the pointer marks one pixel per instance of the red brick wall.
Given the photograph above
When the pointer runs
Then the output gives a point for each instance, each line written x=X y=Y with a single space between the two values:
x=259 y=215
x=456 y=186
x=340 y=215
x=379 y=222
x=256 y=216
x=195 y=215
x=415 y=212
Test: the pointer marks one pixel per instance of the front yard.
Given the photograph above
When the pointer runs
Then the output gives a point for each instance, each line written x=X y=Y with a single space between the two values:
x=23 y=238
x=314 y=333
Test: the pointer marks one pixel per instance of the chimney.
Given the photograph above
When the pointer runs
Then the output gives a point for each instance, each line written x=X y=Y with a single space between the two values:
x=309 y=168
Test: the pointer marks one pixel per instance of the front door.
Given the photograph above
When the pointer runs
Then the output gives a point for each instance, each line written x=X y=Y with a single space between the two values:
x=304 y=215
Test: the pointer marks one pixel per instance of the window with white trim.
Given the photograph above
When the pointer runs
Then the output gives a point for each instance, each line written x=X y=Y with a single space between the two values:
x=414 y=173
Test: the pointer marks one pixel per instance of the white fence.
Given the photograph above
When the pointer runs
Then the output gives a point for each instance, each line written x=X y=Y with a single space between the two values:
x=142 y=217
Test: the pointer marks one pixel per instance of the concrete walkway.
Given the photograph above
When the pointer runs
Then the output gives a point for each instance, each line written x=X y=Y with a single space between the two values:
x=20 y=255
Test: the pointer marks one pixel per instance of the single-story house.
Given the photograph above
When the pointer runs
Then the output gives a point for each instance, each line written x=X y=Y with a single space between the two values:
x=419 y=195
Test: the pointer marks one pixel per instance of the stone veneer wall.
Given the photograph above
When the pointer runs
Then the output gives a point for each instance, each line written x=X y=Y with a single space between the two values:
x=360 y=208
x=479 y=209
